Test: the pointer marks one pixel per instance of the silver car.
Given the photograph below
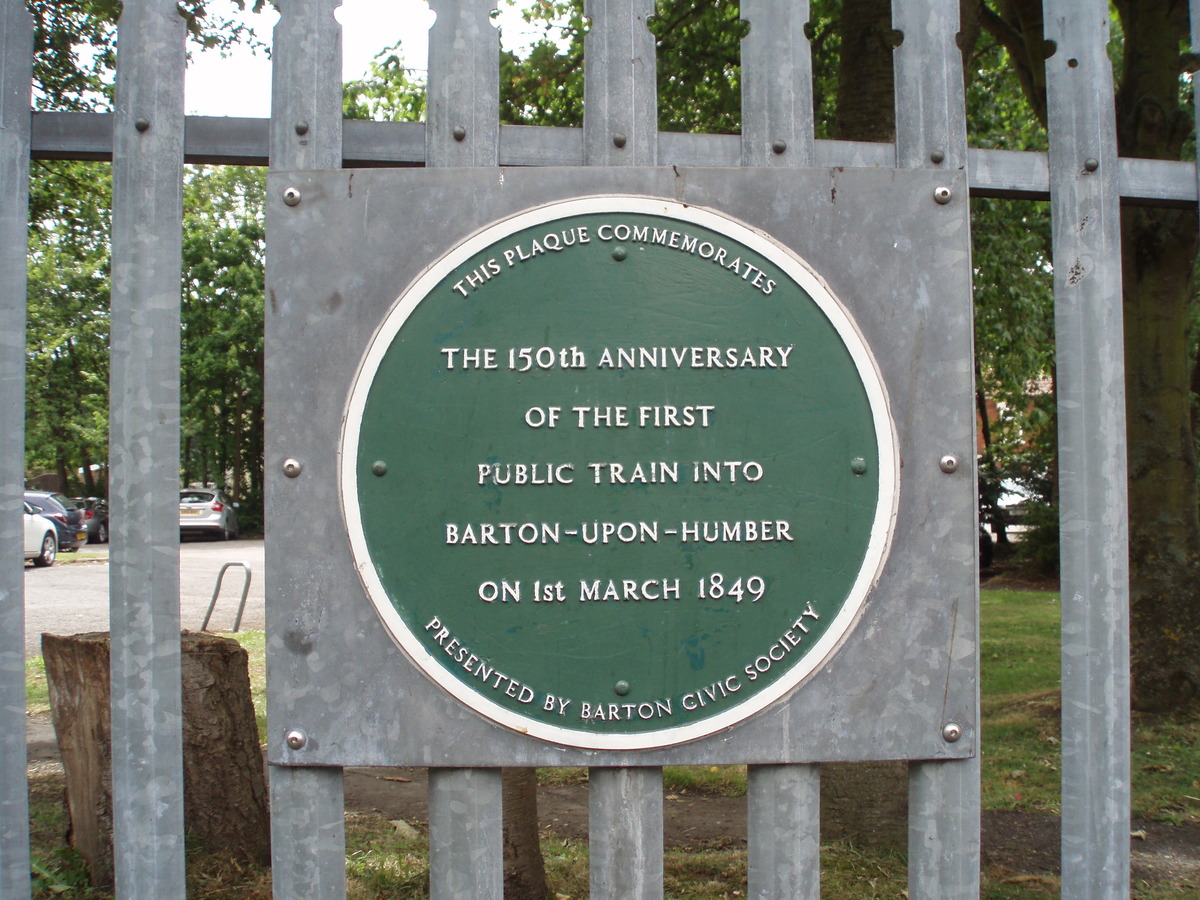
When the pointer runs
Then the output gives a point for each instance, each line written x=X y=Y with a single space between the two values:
x=207 y=511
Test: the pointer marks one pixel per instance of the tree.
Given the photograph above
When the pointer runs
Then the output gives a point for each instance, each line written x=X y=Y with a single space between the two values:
x=74 y=46
x=67 y=368
x=222 y=339
x=66 y=411
x=1158 y=257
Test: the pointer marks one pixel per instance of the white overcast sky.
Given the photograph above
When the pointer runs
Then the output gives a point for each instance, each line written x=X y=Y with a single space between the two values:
x=240 y=85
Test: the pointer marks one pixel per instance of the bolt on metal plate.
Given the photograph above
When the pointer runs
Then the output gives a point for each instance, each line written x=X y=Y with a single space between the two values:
x=943 y=195
x=951 y=732
x=292 y=467
x=291 y=196
x=296 y=739
x=948 y=463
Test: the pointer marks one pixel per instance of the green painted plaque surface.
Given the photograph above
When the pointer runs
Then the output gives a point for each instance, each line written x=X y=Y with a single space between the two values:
x=618 y=472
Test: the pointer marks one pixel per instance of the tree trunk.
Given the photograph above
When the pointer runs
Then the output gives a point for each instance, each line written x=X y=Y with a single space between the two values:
x=524 y=868
x=1158 y=255
x=866 y=109
x=1164 y=530
x=225 y=797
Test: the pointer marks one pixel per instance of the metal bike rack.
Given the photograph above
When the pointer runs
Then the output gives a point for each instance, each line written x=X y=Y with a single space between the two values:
x=237 y=623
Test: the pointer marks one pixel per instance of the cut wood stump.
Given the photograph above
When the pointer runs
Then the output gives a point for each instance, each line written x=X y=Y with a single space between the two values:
x=225 y=795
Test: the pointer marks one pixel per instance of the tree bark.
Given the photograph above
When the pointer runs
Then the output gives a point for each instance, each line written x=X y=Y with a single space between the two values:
x=1158 y=252
x=524 y=867
x=1158 y=255
x=866 y=108
x=225 y=796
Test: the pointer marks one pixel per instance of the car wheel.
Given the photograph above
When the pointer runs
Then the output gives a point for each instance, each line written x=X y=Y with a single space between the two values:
x=49 y=551
x=102 y=533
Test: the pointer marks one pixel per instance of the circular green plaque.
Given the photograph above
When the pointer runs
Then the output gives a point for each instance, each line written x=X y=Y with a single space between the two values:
x=618 y=472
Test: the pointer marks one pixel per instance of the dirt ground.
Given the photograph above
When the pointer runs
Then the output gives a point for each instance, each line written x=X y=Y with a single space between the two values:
x=1016 y=843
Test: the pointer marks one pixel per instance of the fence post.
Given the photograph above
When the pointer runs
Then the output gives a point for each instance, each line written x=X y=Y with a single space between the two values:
x=783 y=802
x=464 y=86
x=466 y=827
x=620 y=97
x=931 y=132
x=625 y=833
x=784 y=854
x=16 y=50
x=1089 y=334
x=308 y=832
x=777 y=95
x=147 y=228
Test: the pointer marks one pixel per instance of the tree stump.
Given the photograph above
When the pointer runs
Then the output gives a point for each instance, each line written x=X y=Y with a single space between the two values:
x=225 y=795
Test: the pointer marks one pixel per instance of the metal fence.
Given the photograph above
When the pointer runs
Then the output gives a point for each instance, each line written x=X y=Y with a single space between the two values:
x=149 y=139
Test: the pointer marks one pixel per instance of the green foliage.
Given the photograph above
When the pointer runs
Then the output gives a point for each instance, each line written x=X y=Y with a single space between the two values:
x=66 y=375
x=222 y=335
x=67 y=363
x=390 y=92
x=545 y=86
x=67 y=368
x=699 y=66
x=1014 y=311
x=74 y=46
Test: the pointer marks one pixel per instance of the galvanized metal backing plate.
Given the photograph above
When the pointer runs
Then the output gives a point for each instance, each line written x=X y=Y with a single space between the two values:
x=346 y=245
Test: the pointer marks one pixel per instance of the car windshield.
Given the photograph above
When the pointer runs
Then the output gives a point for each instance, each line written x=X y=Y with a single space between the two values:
x=195 y=497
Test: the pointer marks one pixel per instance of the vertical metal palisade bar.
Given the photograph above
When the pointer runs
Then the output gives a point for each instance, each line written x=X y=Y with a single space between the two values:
x=931 y=129
x=620 y=95
x=147 y=728
x=466 y=835
x=620 y=128
x=1085 y=214
x=16 y=51
x=931 y=132
x=464 y=86
x=784 y=832
x=783 y=802
x=777 y=95
x=308 y=839
x=306 y=87
x=625 y=833
x=466 y=826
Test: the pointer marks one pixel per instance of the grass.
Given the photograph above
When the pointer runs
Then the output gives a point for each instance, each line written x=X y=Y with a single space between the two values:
x=1019 y=677
x=1021 y=767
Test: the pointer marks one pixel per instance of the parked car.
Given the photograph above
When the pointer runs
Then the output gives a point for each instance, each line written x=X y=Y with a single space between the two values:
x=72 y=533
x=207 y=511
x=41 y=538
x=95 y=517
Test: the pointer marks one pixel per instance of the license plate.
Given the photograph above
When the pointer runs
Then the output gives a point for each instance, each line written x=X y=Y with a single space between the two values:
x=190 y=512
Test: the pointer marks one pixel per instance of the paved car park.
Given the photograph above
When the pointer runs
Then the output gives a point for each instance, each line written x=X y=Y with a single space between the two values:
x=71 y=597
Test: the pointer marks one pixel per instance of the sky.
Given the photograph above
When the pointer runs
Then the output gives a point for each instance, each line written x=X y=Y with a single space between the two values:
x=240 y=85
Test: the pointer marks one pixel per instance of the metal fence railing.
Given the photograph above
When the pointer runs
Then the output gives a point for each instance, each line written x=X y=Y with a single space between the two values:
x=149 y=139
